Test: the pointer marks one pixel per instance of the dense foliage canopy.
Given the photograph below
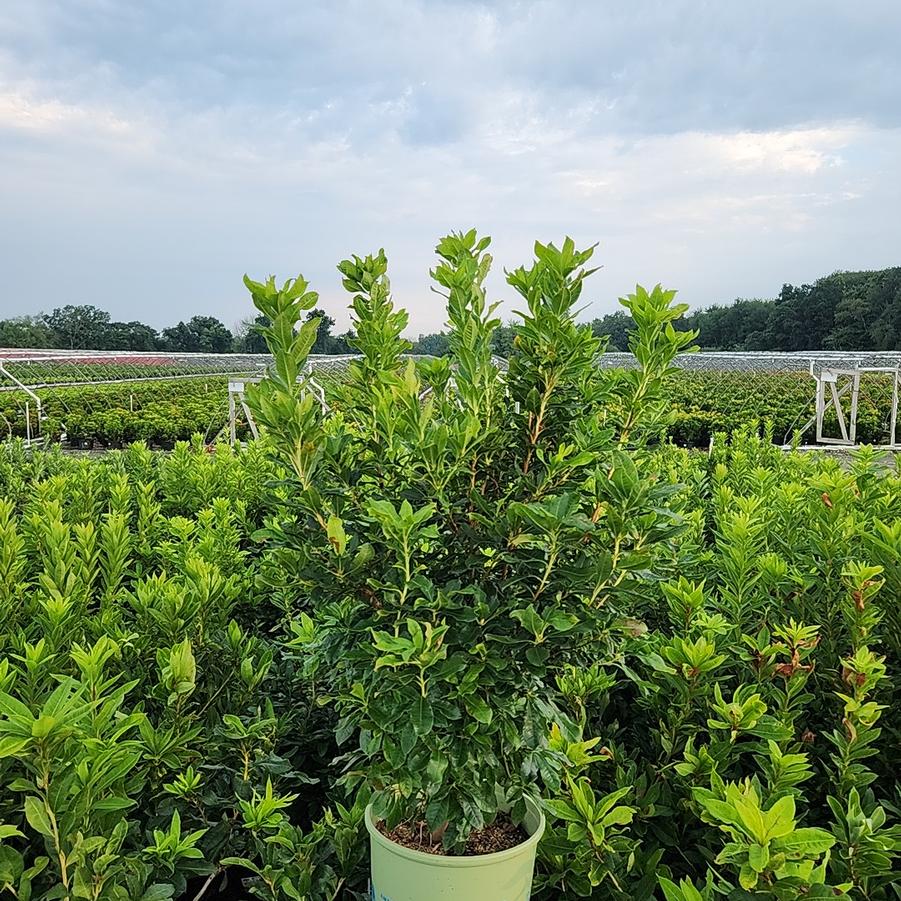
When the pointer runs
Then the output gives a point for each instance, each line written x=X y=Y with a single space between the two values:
x=843 y=311
x=161 y=412
x=86 y=327
x=457 y=591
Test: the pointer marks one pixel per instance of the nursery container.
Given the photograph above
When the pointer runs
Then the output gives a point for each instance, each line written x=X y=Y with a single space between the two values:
x=402 y=874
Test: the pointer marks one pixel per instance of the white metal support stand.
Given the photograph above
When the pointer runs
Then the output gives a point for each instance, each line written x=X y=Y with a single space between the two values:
x=5 y=373
x=893 y=427
x=236 y=397
x=829 y=394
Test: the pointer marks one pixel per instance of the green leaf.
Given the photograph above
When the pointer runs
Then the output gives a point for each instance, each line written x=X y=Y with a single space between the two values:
x=606 y=803
x=770 y=729
x=758 y=857
x=436 y=767
x=685 y=891
x=336 y=534
x=563 y=811
x=747 y=878
x=619 y=816
x=436 y=813
x=37 y=816
x=752 y=819
x=422 y=716
x=241 y=862
x=161 y=891
x=478 y=709
x=780 y=818
x=583 y=798
x=40 y=864
x=114 y=803
x=12 y=865
x=13 y=707
x=806 y=842
x=530 y=620
x=10 y=747
x=722 y=811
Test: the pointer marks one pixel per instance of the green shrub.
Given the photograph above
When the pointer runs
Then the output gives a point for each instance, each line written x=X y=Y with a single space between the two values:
x=505 y=592
x=141 y=702
x=213 y=660
x=454 y=548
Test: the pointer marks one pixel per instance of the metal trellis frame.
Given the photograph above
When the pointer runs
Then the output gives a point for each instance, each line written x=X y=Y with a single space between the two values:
x=831 y=403
x=842 y=382
x=838 y=376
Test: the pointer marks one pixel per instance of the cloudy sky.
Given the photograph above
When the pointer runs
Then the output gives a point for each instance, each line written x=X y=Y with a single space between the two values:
x=152 y=151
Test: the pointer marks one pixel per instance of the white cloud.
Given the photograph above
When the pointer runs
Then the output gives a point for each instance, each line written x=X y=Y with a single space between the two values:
x=151 y=153
x=20 y=110
x=803 y=151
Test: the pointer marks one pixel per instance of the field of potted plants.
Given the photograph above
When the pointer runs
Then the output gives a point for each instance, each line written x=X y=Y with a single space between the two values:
x=160 y=411
x=476 y=635
x=705 y=403
x=112 y=416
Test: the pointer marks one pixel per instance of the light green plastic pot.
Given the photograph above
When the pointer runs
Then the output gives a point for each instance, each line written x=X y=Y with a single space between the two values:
x=402 y=874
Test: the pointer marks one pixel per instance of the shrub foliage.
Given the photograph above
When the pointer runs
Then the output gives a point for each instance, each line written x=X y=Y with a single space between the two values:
x=464 y=591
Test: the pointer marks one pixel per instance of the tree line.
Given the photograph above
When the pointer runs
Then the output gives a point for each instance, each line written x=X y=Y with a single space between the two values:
x=842 y=311
x=86 y=327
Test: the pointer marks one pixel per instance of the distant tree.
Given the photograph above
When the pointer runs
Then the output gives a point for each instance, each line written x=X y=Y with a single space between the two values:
x=201 y=334
x=869 y=314
x=741 y=325
x=434 y=345
x=83 y=326
x=617 y=327
x=24 y=331
x=883 y=296
x=502 y=340
x=248 y=339
x=341 y=344
x=323 y=342
x=129 y=336
x=802 y=318
x=178 y=337
x=842 y=311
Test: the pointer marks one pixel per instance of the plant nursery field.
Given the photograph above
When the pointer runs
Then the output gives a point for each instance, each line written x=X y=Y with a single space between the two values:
x=225 y=670
x=157 y=412
x=153 y=686
x=162 y=412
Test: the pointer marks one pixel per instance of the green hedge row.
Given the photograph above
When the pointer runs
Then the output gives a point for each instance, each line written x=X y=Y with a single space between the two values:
x=708 y=402
x=703 y=403
x=159 y=413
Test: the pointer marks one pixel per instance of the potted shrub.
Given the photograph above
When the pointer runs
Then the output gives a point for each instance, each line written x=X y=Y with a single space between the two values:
x=452 y=532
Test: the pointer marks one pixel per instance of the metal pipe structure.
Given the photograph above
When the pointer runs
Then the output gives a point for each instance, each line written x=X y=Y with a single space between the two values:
x=841 y=381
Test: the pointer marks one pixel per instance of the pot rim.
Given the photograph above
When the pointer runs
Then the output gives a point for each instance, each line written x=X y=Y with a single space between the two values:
x=469 y=861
